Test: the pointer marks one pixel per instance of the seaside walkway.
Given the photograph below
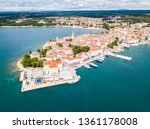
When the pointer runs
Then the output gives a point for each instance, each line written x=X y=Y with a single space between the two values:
x=32 y=86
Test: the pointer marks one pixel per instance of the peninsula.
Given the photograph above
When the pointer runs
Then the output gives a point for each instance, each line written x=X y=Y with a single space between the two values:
x=56 y=62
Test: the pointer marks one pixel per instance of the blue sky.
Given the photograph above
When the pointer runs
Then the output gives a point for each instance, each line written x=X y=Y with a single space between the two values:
x=38 y=5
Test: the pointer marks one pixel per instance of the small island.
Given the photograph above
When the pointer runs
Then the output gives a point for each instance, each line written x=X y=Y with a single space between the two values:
x=56 y=62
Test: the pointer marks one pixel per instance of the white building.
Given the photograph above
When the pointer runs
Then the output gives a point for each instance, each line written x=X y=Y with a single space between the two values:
x=72 y=61
x=52 y=68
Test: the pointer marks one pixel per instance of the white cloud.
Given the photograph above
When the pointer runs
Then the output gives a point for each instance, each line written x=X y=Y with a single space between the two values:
x=26 y=5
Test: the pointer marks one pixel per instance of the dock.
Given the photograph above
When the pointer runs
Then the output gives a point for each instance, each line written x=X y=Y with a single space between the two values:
x=120 y=56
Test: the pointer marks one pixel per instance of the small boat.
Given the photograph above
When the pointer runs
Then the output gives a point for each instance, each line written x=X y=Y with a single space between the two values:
x=79 y=77
x=94 y=65
x=87 y=66
x=102 y=58
x=99 y=60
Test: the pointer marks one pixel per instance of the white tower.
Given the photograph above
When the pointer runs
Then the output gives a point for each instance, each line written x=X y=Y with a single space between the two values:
x=73 y=33
x=57 y=39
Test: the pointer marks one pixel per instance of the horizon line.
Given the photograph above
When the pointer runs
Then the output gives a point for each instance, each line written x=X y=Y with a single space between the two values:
x=74 y=10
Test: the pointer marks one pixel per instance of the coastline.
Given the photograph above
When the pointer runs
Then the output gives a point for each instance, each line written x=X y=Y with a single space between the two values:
x=19 y=66
x=29 y=82
x=22 y=70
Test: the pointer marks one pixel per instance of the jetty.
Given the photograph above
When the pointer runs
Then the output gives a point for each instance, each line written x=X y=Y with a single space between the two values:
x=120 y=56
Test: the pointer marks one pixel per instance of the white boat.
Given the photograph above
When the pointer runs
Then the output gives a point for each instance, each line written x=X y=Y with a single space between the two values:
x=102 y=58
x=79 y=77
x=92 y=64
x=99 y=60
x=87 y=66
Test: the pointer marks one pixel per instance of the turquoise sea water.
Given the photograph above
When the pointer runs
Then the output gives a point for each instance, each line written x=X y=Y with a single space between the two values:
x=116 y=85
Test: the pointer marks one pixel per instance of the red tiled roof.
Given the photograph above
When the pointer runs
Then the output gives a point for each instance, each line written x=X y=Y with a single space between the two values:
x=52 y=64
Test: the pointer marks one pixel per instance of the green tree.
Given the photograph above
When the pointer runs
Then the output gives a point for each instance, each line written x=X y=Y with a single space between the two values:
x=48 y=47
x=30 y=52
x=114 y=43
x=33 y=64
x=106 y=26
x=59 y=44
x=38 y=50
x=26 y=56
x=43 y=52
x=79 y=49
x=35 y=59
x=69 y=40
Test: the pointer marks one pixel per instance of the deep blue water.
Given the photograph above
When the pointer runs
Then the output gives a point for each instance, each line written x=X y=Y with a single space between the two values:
x=84 y=13
x=116 y=85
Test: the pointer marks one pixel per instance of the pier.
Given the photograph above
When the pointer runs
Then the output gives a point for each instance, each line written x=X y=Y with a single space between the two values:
x=120 y=56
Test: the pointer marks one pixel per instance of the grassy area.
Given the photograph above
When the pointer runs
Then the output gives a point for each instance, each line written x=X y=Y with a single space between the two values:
x=29 y=22
x=136 y=19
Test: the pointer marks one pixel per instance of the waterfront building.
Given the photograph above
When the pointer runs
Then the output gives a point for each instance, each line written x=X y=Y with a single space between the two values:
x=52 y=68
x=71 y=61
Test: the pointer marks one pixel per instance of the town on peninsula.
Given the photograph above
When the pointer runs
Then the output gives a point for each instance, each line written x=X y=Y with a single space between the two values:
x=57 y=61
